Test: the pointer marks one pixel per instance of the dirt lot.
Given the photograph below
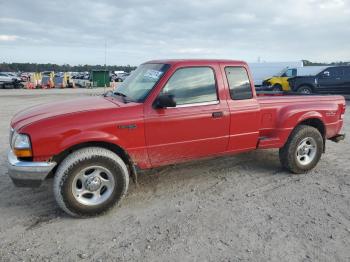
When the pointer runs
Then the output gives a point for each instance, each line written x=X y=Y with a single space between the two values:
x=238 y=208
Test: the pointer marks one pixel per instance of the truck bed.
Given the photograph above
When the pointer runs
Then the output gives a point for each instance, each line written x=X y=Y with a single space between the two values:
x=280 y=112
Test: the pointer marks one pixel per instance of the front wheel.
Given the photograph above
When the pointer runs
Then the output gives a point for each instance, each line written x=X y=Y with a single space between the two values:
x=90 y=181
x=302 y=150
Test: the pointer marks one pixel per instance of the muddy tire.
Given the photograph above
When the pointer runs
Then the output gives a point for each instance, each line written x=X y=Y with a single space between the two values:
x=90 y=181
x=302 y=150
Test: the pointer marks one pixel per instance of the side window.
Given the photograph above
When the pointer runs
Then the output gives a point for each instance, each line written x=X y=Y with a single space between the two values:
x=192 y=85
x=239 y=84
x=331 y=72
x=347 y=71
x=290 y=73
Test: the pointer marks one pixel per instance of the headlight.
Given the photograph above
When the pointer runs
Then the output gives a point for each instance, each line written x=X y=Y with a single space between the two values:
x=21 y=145
x=21 y=141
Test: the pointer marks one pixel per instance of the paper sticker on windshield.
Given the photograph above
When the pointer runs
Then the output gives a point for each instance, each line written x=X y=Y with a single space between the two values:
x=153 y=74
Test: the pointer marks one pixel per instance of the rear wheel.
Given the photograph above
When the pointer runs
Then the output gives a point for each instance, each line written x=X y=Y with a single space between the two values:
x=277 y=87
x=90 y=181
x=305 y=90
x=302 y=150
x=7 y=86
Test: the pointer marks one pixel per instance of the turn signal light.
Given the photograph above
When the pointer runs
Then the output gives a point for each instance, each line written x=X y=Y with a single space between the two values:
x=23 y=152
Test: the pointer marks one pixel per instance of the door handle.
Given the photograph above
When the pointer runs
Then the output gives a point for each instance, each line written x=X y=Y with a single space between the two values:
x=217 y=114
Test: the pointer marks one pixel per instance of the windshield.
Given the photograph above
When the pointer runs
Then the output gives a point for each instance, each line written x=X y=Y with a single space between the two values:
x=280 y=73
x=137 y=86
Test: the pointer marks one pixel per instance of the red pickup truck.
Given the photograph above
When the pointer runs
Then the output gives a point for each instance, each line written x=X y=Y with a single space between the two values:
x=166 y=112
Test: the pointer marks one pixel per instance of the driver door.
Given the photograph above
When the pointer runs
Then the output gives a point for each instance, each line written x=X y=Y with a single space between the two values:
x=199 y=124
x=329 y=81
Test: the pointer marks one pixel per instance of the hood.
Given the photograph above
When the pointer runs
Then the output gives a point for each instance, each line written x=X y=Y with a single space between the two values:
x=40 y=112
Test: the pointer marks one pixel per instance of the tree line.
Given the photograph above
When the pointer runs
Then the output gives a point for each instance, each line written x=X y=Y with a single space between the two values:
x=34 y=67
x=309 y=63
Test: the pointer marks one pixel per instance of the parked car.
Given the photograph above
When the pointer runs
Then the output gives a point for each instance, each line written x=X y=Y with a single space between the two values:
x=331 y=80
x=25 y=77
x=279 y=82
x=119 y=77
x=59 y=82
x=9 y=81
x=14 y=76
x=47 y=82
x=4 y=77
x=166 y=112
x=82 y=76
x=82 y=83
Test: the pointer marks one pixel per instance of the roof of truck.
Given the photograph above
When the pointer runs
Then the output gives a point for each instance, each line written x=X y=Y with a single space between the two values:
x=200 y=61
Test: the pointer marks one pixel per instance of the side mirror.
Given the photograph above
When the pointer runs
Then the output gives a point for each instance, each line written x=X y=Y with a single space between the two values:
x=164 y=100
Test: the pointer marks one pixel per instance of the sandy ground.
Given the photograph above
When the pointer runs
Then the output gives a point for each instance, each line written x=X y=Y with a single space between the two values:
x=237 y=208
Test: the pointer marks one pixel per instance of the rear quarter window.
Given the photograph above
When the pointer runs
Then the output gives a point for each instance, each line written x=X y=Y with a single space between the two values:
x=239 y=84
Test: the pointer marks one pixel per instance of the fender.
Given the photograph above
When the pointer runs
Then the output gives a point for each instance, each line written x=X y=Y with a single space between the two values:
x=138 y=156
x=88 y=136
x=291 y=116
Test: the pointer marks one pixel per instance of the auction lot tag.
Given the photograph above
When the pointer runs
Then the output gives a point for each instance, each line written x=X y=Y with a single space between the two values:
x=153 y=74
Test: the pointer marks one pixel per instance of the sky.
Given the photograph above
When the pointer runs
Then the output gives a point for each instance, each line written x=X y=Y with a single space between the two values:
x=131 y=32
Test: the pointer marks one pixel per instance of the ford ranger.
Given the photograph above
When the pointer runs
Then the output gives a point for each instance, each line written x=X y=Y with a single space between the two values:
x=166 y=112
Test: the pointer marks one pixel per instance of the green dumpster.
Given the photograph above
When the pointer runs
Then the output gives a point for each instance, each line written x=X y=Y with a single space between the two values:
x=100 y=78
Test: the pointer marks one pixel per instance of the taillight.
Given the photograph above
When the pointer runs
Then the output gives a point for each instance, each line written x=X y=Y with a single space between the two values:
x=342 y=110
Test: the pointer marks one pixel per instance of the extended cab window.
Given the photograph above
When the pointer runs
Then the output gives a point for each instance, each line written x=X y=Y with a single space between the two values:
x=239 y=84
x=192 y=85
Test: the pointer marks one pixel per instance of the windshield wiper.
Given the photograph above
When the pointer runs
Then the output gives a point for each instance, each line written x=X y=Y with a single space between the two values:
x=119 y=94
x=125 y=98
x=108 y=93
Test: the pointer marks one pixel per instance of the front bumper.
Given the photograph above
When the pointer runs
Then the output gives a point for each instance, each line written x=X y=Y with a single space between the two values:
x=26 y=173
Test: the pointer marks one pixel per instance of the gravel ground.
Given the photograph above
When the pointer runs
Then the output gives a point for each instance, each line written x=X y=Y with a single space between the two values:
x=237 y=208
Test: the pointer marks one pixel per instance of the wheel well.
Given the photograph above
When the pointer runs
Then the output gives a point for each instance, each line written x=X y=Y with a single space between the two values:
x=112 y=147
x=316 y=123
